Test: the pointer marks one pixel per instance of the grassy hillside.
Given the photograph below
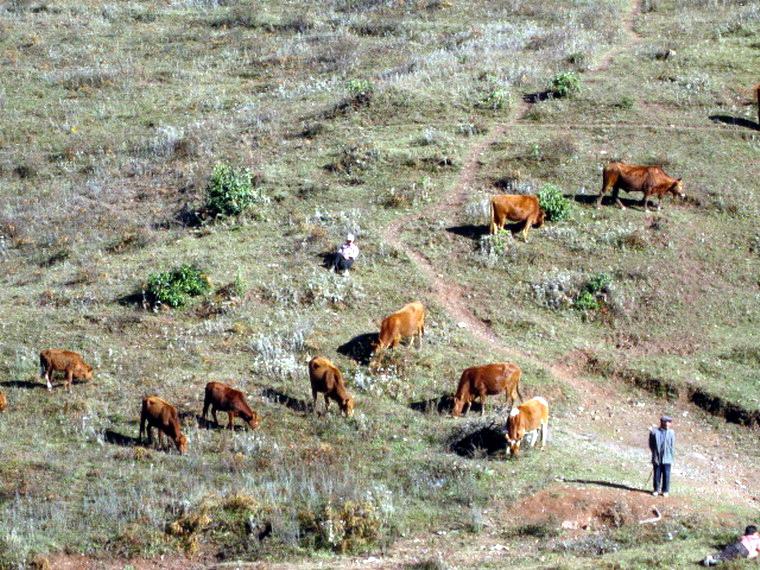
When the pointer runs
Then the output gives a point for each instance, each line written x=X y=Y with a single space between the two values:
x=395 y=121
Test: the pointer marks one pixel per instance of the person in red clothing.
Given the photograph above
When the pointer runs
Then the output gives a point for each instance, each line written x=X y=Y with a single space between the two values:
x=747 y=547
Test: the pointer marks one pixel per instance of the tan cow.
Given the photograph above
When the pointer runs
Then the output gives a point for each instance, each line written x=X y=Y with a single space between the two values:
x=487 y=380
x=223 y=398
x=3 y=402
x=407 y=322
x=161 y=414
x=516 y=208
x=530 y=416
x=70 y=363
x=651 y=180
x=326 y=379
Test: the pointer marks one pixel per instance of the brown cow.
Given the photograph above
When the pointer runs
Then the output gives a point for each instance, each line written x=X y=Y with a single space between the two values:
x=407 y=322
x=3 y=402
x=70 y=363
x=516 y=208
x=326 y=379
x=487 y=380
x=224 y=398
x=530 y=416
x=161 y=414
x=651 y=180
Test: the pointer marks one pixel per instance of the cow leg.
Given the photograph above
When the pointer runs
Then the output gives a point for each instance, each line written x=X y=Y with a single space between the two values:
x=616 y=197
x=69 y=380
x=605 y=189
x=327 y=404
x=46 y=375
x=206 y=404
x=230 y=420
x=544 y=433
x=482 y=404
x=213 y=414
x=314 y=397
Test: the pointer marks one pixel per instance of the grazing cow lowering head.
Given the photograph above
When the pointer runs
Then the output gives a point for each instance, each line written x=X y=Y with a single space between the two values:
x=530 y=416
x=677 y=189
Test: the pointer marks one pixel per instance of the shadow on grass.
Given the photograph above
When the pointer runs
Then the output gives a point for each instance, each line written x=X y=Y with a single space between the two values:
x=538 y=96
x=137 y=300
x=442 y=405
x=25 y=384
x=606 y=484
x=607 y=200
x=328 y=259
x=469 y=231
x=116 y=438
x=288 y=401
x=735 y=121
x=359 y=348
x=487 y=440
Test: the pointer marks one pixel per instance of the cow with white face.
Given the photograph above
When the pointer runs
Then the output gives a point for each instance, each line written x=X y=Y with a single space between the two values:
x=531 y=416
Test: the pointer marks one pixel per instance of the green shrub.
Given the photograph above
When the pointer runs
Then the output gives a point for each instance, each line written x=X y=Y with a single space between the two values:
x=496 y=99
x=554 y=203
x=229 y=191
x=565 y=83
x=359 y=88
x=174 y=287
x=586 y=301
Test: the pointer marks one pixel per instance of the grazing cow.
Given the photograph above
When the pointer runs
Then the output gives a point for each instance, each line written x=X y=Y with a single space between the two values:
x=224 y=398
x=651 y=180
x=70 y=363
x=407 y=322
x=326 y=379
x=516 y=208
x=161 y=414
x=3 y=402
x=530 y=416
x=488 y=380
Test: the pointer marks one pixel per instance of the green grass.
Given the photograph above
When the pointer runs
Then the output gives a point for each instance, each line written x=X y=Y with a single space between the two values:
x=113 y=117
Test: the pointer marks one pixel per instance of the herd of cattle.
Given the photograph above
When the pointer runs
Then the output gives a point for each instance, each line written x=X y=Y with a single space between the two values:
x=530 y=416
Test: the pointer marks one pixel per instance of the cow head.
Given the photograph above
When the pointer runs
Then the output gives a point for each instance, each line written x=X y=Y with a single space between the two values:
x=253 y=421
x=677 y=189
x=347 y=407
x=515 y=432
x=458 y=407
x=181 y=443
x=540 y=218
x=84 y=372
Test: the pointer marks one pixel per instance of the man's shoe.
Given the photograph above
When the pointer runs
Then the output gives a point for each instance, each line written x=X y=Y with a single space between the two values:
x=655 y=493
x=665 y=494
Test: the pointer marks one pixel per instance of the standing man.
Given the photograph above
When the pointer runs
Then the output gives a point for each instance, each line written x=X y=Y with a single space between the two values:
x=662 y=444
x=346 y=255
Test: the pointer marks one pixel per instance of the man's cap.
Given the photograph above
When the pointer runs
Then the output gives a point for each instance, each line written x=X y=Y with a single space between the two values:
x=350 y=237
x=666 y=419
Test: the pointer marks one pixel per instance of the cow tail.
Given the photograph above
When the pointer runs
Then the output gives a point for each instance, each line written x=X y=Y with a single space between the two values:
x=493 y=218
x=517 y=387
x=143 y=418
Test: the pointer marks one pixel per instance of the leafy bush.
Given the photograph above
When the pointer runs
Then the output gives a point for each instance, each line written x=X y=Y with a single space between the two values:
x=554 y=203
x=174 y=287
x=565 y=83
x=588 y=300
x=346 y=527
x=496 y=99
x=229 y=192
x=360 y=87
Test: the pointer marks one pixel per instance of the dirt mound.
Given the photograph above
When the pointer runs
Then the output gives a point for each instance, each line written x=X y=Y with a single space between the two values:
x=597 y=506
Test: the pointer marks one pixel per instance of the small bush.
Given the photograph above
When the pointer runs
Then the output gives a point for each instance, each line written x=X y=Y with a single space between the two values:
x=496 y=99
x=230 y=192
x=565 y=84
x=360 y=88
x=351 y=526
x=589 y=298
x=586 y=302
x=554 y=203
x=174 y=287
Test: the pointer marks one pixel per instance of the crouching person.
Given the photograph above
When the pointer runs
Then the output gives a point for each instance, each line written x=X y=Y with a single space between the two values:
x=346 y=255
x=747 y=547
